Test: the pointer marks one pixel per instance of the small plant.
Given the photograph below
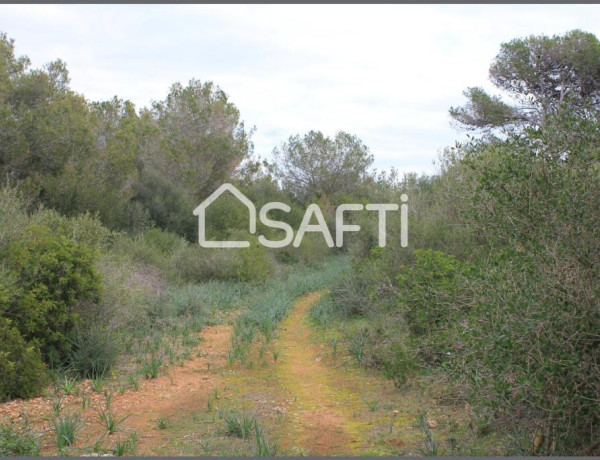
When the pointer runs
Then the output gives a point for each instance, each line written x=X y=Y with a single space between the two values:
x=430 y=445
x=162 y=423
x=57 y=405
x=98 y=383
x=86 y=400
x=133 y=382
x=263 y=447
x=373 y=405
x=275 y=355
x=65 y=429
x=108 y=418
x=334 y=347
x=151 y=367
x=17 y=442
x=357 y=345
x=121 y=447
x=68 y=385
x=125 y=446
x=237 y=424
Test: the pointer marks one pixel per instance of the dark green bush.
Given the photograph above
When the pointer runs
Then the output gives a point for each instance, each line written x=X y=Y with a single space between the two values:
x=428 y=289
x=22 y=373
x=54 y=274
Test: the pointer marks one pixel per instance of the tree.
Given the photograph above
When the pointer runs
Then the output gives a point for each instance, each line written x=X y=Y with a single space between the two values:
x=541 y=74
x=316 y=166
x=202 y=137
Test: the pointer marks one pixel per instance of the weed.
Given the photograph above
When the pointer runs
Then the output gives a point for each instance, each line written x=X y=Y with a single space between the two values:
x=430 y=445
x=65 y=429
x=98 y=383
x=132 y=380
x=357 y=345
x=263 y=447
x=237 y=424
x=57 y=405
x=334 y=347
x=17 y=441
x=162 y=423
x=86 y=400
x=151 y=367
x=108 y=418
x=373 y=405
x=125 y=446
x=68 y=385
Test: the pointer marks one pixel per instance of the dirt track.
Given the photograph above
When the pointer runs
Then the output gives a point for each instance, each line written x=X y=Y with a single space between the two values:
x=309 y=402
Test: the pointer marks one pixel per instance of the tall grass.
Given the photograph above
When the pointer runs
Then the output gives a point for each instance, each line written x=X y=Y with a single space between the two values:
x=276 y=299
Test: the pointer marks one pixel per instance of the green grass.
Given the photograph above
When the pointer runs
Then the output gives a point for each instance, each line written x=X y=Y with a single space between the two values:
x=66 y=429
x=237 y=424
x=276 y=298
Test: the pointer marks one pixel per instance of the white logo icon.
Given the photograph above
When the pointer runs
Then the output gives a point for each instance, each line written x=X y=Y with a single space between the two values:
x=305 y=226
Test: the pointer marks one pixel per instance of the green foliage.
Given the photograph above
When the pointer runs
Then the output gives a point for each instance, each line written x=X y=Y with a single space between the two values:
x=238 y=424
x=315 y=165
x=427 y=289
x=55 y=276
x=66 y=429
x=543 y=75
x=94 y=351
x=22 y=373
x=17 y=441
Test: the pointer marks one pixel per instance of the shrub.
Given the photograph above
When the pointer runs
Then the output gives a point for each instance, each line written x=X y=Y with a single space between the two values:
x=85 y=228
x=22 y=373
x=351 y=295
x=428 y=289
x=13 y=216
x=255 y=264
x=94 y=351
x=192 y=263
x=15 y=441
x=55 y=274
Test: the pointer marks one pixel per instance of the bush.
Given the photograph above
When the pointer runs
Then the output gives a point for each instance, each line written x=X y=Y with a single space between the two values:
x=428 y=289
x=22 y=373
x=55 y=275
x=13 y=216
x=84 y=229
x=254 y=264
x=94 y=351
x=15 y=441
x=194 y=264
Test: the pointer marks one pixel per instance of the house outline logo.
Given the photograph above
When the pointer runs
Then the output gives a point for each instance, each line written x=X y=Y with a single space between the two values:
x=200 y=211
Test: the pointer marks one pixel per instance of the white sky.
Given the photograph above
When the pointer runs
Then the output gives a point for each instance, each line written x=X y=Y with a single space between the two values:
x=387 y=73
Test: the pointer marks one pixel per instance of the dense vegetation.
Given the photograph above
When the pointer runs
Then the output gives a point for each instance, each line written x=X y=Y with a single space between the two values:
x=496 y=295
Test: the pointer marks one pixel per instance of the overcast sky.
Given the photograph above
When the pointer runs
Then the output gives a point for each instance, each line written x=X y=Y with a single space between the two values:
x=387 y=73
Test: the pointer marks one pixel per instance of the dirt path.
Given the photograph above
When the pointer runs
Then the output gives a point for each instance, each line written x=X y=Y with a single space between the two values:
x=308 y=401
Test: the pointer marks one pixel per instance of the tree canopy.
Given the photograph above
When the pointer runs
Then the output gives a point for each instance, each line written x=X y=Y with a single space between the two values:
x=540 y=75
x=315 y=165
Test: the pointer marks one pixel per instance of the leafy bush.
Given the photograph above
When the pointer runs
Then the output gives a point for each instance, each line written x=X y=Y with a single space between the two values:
x=55 y=275
x=13 y=216
x=16 y=441
x=427 y=289
x=84 y=229
x=22 y=373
